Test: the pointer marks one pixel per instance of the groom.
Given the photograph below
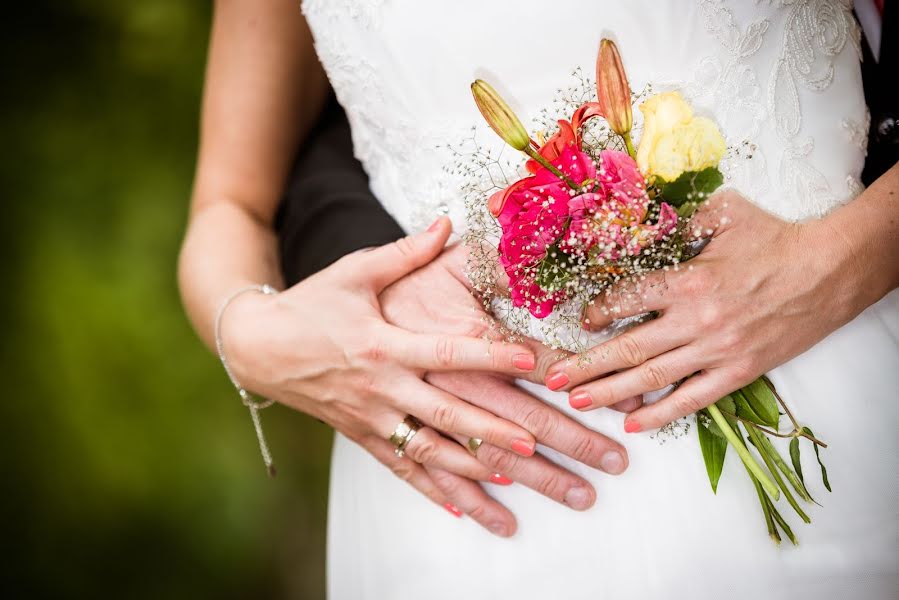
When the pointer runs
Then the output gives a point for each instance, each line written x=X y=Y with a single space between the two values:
x=328 y=210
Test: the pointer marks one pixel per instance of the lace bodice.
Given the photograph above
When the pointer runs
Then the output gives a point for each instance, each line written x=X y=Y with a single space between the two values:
x=781 y=78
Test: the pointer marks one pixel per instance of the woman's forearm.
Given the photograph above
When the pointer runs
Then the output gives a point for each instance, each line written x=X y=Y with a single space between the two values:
x=263 y=90
x=862 y=240
x=225 y=249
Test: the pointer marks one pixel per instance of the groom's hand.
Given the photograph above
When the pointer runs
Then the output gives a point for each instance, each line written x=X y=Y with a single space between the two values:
x=436 y=299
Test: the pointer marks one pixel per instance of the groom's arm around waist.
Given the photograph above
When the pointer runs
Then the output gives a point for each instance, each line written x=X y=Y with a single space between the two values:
x=328 y=209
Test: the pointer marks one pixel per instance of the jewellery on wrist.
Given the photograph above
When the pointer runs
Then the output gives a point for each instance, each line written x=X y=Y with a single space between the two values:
x=403 y=434
x=246 y=398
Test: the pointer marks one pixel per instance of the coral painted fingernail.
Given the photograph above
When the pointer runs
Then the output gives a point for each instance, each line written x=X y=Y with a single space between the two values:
x=632 y=427
x=453 y=510
x=557 y=381
x=523 y=447
x=525 y=362
x=500 y=480
x=580 y=399
x=433 y=227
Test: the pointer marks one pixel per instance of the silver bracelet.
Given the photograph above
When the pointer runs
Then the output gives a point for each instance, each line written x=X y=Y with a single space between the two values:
x=251 y=403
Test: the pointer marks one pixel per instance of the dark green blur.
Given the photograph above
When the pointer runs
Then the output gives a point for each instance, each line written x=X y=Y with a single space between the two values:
x=129 y=467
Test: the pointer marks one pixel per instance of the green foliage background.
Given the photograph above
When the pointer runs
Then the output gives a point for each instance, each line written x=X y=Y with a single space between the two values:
x=129 y=466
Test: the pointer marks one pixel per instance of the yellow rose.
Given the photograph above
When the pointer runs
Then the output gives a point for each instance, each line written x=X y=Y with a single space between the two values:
x=674 y=141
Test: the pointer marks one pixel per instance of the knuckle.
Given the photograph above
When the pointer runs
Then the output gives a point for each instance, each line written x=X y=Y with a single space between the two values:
x=374 y=350
x=478 y=512
x=731 y=340
x=404 y=469
x=445 y=482
x=539 y=421
x=654 y=376
x=687 y=404
x=544 y=361
x=446 y=417
x=501 y=461
x=711 y=316
x=424 y=451
x=550 y=485
x=587 y=450
x=745 y=371
x=445 y=352
x=405 y=246
x=630 y=351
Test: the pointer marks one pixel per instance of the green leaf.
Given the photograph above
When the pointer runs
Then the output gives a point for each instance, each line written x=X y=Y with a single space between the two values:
x=763 y=402
x=713 y=449
x=691 y=187
x=794 y=457
x=745 y=410
x=797 y=465
x=553 y=272
x=818 y=456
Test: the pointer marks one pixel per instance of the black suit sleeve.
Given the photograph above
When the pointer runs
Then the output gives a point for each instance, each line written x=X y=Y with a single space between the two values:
x=328 y=210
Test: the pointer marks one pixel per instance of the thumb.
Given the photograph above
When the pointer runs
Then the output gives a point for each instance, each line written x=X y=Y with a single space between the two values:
x=386 y=264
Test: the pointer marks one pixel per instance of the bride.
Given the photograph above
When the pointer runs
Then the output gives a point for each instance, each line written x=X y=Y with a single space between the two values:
x=800 y=284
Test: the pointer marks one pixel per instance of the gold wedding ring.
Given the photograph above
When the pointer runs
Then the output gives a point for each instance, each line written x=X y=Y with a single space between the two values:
x=403 y=434
x=473 y=445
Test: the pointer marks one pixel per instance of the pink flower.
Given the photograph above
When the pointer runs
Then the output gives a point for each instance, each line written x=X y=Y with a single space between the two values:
x=533 y=216
x=612 y=218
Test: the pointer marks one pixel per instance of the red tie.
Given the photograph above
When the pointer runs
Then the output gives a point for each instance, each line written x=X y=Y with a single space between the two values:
x=879 y=5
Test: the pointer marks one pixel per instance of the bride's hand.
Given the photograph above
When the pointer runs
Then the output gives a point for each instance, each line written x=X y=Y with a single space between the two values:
x=436 y=299
x=761 y=292
x=324 y=348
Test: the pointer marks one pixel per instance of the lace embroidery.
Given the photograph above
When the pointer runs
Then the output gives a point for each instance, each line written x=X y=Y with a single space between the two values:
x=816 y=32
x=365 y=12
x=857 y=131
x=729 y=87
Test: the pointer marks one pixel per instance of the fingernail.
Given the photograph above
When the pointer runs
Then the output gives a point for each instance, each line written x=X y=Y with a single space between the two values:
x=612 y=462
x=525 y=362
x=453 y=510
x=631 y=427
x=499 y=529
x=577 y=498
x=580 y=399
x=433 y=227
x=500 y=480
x=524 y=448
x=557 y=381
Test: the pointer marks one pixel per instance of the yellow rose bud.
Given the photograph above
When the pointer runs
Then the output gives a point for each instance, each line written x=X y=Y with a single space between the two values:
x=674 y=141
x=499 y=116
x=612 y=89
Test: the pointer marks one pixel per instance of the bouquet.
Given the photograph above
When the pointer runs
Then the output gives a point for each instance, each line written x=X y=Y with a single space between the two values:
x=597 y=211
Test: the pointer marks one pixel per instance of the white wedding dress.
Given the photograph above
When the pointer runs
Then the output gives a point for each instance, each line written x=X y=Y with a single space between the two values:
x=782 y=79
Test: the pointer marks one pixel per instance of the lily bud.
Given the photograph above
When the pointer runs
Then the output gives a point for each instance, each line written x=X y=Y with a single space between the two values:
x=499 y=116
x=612 y=90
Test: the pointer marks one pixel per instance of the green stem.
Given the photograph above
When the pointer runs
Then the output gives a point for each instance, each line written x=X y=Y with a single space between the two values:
x=629 y=145
x=755 y=436
x=766 y=508
x=536 y=156
x=785 y=468
x=742 y=451
x=780 y=521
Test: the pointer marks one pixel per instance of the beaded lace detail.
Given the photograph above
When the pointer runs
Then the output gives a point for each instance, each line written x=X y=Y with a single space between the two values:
x=763 y=70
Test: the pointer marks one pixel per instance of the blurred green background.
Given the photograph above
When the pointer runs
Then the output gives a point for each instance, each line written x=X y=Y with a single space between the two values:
x=130 y=468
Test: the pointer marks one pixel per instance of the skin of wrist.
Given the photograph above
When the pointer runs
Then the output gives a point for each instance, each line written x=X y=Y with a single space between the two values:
x=246 y=344
x=838 y=263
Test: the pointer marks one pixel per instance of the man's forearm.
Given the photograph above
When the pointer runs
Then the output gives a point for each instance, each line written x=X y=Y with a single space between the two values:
x=328 y=209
